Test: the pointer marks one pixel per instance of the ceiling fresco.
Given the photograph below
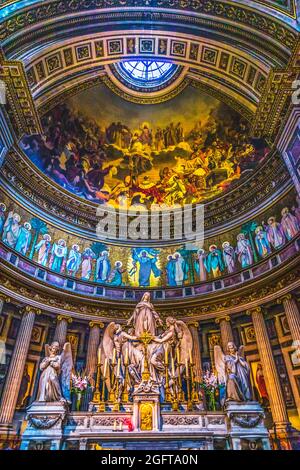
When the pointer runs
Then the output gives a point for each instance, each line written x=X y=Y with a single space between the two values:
x=187 y=150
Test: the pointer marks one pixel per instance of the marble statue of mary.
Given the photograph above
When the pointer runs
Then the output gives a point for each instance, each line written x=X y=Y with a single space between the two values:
x=144 y=317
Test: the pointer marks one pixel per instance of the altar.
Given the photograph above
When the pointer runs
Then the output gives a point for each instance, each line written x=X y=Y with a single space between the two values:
x=147 y=394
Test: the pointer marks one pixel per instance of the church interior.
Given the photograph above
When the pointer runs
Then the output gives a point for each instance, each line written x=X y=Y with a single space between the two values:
x=150 y=225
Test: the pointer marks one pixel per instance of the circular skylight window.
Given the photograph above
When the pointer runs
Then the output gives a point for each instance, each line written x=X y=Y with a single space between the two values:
x=146 y=73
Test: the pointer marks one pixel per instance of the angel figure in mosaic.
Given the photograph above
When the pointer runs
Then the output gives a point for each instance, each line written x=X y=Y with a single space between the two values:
x=233 y=371
x=56 y=371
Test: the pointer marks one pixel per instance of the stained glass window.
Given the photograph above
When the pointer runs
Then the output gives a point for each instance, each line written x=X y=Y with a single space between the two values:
x=147 y=72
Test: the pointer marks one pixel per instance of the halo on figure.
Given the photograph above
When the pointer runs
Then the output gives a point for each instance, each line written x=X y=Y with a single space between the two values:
x=201 y=251
x=27 y=225
x=104 y=253
x=225 y=245
x=271 y=220
x=75 y=247
x=240 y=236
x=259 y=229
x=17 y=217
x=3 y=206
x=177 y=254
x=47 y=237
x=212 y=248
x=118 y=264
x=285 y=211
x=61 y=241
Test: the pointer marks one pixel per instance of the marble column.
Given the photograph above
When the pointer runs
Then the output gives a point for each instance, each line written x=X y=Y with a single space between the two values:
x=194 y=329
x=16 y=367
x=93 y=344
x=277 y=403
x=60 y=334
x=3 y=299
x=292 y=315
x=226 y=331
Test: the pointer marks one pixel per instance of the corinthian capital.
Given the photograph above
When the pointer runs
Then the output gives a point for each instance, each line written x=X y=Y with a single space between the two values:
x=222 y=318
x=100 y=324
x=254 y=310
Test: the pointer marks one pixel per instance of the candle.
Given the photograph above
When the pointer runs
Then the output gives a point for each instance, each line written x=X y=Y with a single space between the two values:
x=178 y=355
x=115 y=425
x=119 y=367
x=190 y=354
x=186 y=368
x=173 y=367
x=121 y=426
x=166 y=355
x=99 y=356
x=126 y=357
x=114 y=356
x=105 y=368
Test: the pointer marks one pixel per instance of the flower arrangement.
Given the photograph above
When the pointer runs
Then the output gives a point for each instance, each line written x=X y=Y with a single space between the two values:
x=127 y=422
x=79 y=385
x=211 y=388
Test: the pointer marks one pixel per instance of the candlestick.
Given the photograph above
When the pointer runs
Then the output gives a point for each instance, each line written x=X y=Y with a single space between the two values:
x=115 y=425
x=119 y=367
x=186 y=368
x=190 y=355
x=121 y=426
x=173 y=367
x=126 y=357
x=178 y=355
x=105 y=368
x=166 y=355
x=99 y=356
x=114 y=356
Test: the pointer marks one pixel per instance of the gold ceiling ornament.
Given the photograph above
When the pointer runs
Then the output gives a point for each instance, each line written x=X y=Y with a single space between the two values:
x=272 y=112
x=4 y=298
x=20 y=105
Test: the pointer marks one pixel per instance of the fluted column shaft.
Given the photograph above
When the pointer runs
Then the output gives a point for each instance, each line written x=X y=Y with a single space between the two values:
x=292 y=315
x=226 y=331
x=93 y=344
x=278 y=408
x=194 y=329
x=61 y=329
x=16 y=367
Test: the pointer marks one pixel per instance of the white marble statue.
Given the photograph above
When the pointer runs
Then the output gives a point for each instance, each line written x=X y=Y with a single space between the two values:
x=56 y=370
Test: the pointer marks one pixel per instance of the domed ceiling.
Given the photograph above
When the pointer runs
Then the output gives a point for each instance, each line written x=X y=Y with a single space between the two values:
x=185 y=150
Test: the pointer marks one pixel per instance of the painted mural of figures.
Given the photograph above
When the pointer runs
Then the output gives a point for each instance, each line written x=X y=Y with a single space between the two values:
x=103 y=267
x=2 y=216
x=58 y=257
x=144 y=318
x=147 y=265
x=289 y=223
x=275 y=233
x=74 y=260
x=244 y=251
x=229 y=257
x=260 y=380
x=180 y=269
x=234 y=371
x=116 y=276
x=43 y=248
x=261 y=241
x=170 y=271
x=296 y=209
x=24 y=239
x=214 y=262
x=11 y=229
x=200 y=265
x=87 y=264
x=56 y=370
